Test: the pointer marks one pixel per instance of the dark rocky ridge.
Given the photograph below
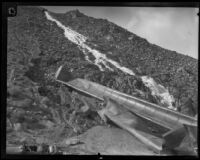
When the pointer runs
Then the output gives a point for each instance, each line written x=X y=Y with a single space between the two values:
x=37 y=47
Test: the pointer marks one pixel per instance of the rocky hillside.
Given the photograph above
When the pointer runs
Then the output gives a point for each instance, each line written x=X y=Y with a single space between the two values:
x=41 y=110
x=172 y=70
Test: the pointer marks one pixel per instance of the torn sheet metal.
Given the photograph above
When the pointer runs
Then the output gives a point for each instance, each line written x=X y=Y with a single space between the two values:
x=157 y=114
x=131 y=123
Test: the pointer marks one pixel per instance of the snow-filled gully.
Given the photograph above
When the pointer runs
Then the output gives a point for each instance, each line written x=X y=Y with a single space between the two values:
x=101 y=59
x=80 y=40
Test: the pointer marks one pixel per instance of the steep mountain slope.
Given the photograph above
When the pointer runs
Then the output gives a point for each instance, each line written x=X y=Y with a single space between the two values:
x=95 y=49
x=168 y=68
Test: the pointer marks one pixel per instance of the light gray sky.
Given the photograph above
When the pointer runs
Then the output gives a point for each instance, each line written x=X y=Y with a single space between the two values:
x=171 y=28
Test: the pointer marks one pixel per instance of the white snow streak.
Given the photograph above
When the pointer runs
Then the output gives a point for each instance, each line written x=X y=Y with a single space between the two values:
x=80 y=40
x=160 y=91
x=73 y=36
